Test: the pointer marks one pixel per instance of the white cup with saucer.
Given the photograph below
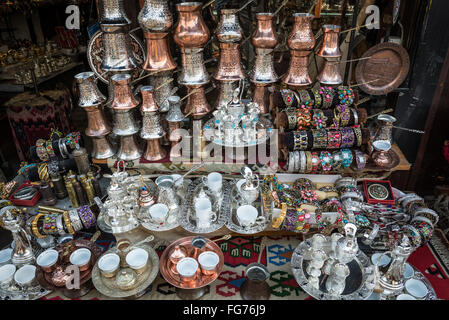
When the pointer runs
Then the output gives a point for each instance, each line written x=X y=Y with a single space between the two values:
x=248 y=216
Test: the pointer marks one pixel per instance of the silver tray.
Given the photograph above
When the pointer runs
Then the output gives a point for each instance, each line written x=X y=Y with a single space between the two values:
x=232 y=223
x=107 y=286
x=356 y=284
x=14 y=293
x=187 y=208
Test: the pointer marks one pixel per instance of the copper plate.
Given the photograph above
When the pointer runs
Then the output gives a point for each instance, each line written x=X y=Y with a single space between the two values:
x=167 y=267
x=394 y=163
x=95 y=53
x=389 y=63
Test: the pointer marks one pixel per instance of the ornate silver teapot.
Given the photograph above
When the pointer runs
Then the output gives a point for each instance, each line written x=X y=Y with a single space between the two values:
x=250 y=188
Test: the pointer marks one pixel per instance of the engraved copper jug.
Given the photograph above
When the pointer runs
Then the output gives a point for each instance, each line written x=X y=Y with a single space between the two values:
x=193 y=69
x=101 y=148
x=158 y=56
x=129 y=149
x=197 y=104
x=301 y=37
x=330 y=75
x=151 y=126
x=261 y=96
x=331 y=46
x=230 y=66
x=118 y=55
x=191 y=31
x=228 y=29
x=154 y=151
x=112 y=12
x=264 y=36
x=123 y=96
x=155 y=16
x=298 y=70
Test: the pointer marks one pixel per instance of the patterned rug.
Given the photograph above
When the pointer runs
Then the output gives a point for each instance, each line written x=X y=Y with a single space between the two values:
x=432 y=260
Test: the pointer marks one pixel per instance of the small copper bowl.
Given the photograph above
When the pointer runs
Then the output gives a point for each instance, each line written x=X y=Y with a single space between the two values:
x=208 y=261
x=47 y=260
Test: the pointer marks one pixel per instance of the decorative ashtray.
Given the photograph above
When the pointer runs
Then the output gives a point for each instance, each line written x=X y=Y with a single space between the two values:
x=358 y=283
x=237 y=207
x=191 y=262
x=121 y=274
x=214 y=218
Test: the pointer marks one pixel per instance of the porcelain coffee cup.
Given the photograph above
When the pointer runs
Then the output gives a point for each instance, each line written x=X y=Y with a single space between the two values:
x=5 y=256
x=26 y=276
x=137 y=259
x=109 y=264
x=7 y=275
x=47 y=260
x=187 y=269
x=416 y=288
x=248 y=216
x=208 y=261
x=159 y=213
x=81 y=258
x=214 y=181
x=203 y=212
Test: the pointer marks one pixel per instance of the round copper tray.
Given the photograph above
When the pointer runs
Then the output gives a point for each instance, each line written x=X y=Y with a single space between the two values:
x=95 y=53
x=389 y=63
x=394 y=163
x=166 y=266
x=57 y=278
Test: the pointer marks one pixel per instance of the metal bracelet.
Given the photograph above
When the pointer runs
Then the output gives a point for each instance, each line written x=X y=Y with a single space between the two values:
x=291 y=162
x=296 y=154
x=75 y=219
x=303 y=162
x=60 y=225
x=356 y=116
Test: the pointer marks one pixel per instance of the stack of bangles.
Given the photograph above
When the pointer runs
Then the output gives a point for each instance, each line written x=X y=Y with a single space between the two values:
x=323 y=97
x=307 y=161
x=26 y=193
x=86 y=216
x=326 y=138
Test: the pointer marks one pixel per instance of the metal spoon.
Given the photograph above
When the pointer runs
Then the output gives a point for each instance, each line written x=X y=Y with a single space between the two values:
x=147 y=239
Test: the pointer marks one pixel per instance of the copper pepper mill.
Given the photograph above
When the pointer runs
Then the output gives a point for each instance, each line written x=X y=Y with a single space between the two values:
x=330 y=51
x=151 y=129
x=264 y=40
x=301 y=42
x=92 y=100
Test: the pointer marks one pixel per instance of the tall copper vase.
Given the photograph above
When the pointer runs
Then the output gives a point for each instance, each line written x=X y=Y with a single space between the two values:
x=330 y=47
x=330 y=75
x=191 y=31
x=230 y=66
x=197 y=104
x=154 y=151
x=123 y=96
x=158 y=56
x=264 y=36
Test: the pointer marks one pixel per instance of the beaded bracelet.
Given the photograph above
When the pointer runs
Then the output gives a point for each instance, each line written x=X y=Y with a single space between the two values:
x=318 y=97
x=346 y=157
x=304 y=118
x=319 y=139
x=288 y=97
x=87 y=217
x=306 y=100
x=333 y=139
x=319 y=119
x=414 y=234
x=347 y=137
x=315 y=161
x=326 y=160
x=327 y=94
x=303 y=184
x=345 y=95
x=49 y=226
x=49 y=148
x=72 y=139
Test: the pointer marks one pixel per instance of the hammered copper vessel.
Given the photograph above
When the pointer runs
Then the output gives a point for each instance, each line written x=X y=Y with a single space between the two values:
x=149 y=104
x=97 y=125
x=118 y=55
x=264 y=36
x=163 y=87
x=102 y=149
x=193 y=69
x=191 y=30
x=151 y=126
x=123 y=96
x=226 y=93
x=112 y=12
x=197 y=104
x=263 y=70
x=158 y=56
x=298 y=70
x=155 y=16
x=154 y=151
x=301 y=37
x=330 y=75
x=261 y=96
x=331 y=46
x=230 y=66
x=89 y=95
x=129 y=149
x=228 y=29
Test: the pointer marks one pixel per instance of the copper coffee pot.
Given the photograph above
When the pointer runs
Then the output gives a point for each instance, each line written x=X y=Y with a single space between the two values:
x=102 y=149
x=154 y=151
x=298 y=70
x=123 y=96
x=197 y=104
x=262 y=97
x=155 y=16
x=263 y=71
x=129 y=149
x=89 y=95
x=175 y=139
x=151 y=126
x=97 y=125
x=191 y=31
x=264 y=36
x=330 y=75
x=230 y=66
x=158 y=56
x=118 y=55
x=301 y=37
x=330 y=47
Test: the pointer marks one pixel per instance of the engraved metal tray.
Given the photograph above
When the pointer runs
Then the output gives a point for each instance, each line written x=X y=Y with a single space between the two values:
x=16 y=293
x=187 y=210
x=108 y=287
x=232 y=223
x=356 y=284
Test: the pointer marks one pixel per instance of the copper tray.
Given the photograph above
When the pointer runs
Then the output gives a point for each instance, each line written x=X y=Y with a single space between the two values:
x=166 y=266
x=95 y=53
x=394 y=163
x=389 y=63
x=57 y=278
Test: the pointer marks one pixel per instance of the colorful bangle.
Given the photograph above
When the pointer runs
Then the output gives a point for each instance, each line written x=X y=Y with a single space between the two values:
x=49 y=226
x=306 y=99
x=414 y=234
x=308 y=161
x=427 y=213
x=72 y=139
x=347 y=137
x=288 y=96
x=308 y=196
x=300 y=140
x=333 y=139
x=319 y=139
x=315 y=161
x=344 y=114
x=318 y=97
x=291 y=118
x=304 y=118
x=326 y=160
x=346 y=157
x=67 y=222
x=303 y=184
x=327 y=94
x=319 y=119
x=358 y=135
x=87 y=217
x=41 y=151
x=361 y=221
x=360 y=160
x=49 y=148
x=345 y=95
x=34 y=226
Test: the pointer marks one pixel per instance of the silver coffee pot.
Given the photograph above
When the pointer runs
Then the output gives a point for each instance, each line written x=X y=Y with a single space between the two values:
x=250 y=188
x=347 y=247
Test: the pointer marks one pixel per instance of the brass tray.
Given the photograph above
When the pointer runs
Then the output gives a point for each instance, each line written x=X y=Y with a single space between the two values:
x=389 y=63
x=201 y=281
x=108 y=287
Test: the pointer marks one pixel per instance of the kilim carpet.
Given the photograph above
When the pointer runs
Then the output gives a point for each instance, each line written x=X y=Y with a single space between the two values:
x=432 y=260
